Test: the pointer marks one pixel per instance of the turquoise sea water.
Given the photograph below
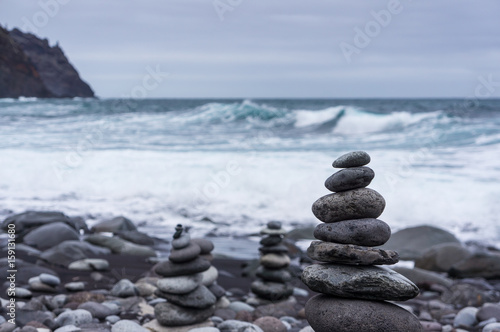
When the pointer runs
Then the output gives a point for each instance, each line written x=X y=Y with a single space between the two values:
x=228 y=166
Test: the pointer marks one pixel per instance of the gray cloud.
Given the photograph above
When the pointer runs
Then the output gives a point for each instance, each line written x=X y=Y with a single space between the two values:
x=273 y=48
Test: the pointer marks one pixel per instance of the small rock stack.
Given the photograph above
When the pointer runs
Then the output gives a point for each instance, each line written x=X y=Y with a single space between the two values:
x=186 y=283
x=273 y=270
x=354 y=289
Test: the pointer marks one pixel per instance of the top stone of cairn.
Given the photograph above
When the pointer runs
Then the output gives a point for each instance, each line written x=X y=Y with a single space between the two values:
x=352 y=159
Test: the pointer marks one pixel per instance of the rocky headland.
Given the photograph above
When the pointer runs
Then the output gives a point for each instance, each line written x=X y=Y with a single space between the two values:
x=30 y=67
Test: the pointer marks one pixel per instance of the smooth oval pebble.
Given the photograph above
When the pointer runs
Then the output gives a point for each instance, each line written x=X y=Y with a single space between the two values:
x=275 y=261
x=182 y=242
x=200 y=298
x=186 y=254
x=327 y=314
x=350 y=178
x=359 y=282
x=180 y=284
x=352 y=159
x=169 y=314
x=170 y=269
x=350 y=254
x=270 y=290
x=368 y=232
x=352 y=204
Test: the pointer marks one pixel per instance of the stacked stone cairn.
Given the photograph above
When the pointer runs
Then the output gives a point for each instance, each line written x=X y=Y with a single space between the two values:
x=354 y=289
x=274 y=277
x=188 y=282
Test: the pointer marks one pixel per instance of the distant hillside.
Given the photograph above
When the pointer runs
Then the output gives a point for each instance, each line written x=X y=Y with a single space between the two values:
x=30 y=67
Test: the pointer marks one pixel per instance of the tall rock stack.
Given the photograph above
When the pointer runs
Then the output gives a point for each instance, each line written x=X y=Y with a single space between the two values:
x=273 y=283
x=186 y=282
x=353 y=288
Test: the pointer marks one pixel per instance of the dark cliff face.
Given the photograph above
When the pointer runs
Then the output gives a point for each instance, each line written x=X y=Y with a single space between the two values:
x=18 y=75
x=48 y=73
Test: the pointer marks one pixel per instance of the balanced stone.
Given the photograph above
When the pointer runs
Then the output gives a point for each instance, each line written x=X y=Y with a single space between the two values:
x=181 y=284
x=206 y=246
x=186 y=254
x=209 y=276
x=275 y=261
x=271 y=290
x=170 y=269
x=181 y=242
x=280 y=248
x=352 y=159
x=271 y=240
x=351 y=204
x=272 y=231
x=350 y=254
x=274 y=225
x=363 y=232
x=169 y=314
x=326 y=314
x=200 y=298
x=350 y=178
x=280 y=275
x=359 y=282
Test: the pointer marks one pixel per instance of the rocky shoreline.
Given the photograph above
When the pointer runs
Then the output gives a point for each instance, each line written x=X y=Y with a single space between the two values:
x=87 y=280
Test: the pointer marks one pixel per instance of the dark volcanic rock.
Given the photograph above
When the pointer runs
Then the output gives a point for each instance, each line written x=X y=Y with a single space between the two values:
x=69 y=251
x=200 y=298
x=280 y=275
x=362 y=232
x=352 y=159
x=169 y=314
x=350 y=254
x=442 y=257
x=412 y=242
x=484 y=265
x=352 y=204
x=28 y=220
x=359 y=282
x=57 y=74
x=273 y=291
x=350 y=178
x=327 y=314
x=49 y=235
x=170 y=269
x=114 y=225
x=18 y=75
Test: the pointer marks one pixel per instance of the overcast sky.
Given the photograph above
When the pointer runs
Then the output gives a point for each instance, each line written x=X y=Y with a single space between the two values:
x=271 y=48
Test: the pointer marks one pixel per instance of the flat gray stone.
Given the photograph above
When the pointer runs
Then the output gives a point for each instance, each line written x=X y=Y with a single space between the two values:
x=271 y=240
x=180 y=284
x=272 y=231
x=97 y=310
x=352 y=204
x=170 y=269
x=327 y=314
x=75 y=286
x=236 y=325
x=479 y=265
x=89 y=264
x=367 y=232
x=350 y=254
x=358 y=282
x=124 y=288
x=69 y=251
x=49 y=279
x=350 y=178
x=276 y=249
x=74 y=317
x=280 y=275
x=120 y=246
x=273 y=291
x=169 y=314
x=352 y=159
x=186 y=254
x=275 y=261
x=182 y=242
x=200 y=298
x=128 y=326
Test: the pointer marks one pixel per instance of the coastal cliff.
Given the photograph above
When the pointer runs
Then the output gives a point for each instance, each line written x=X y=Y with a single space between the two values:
x=30 y=67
